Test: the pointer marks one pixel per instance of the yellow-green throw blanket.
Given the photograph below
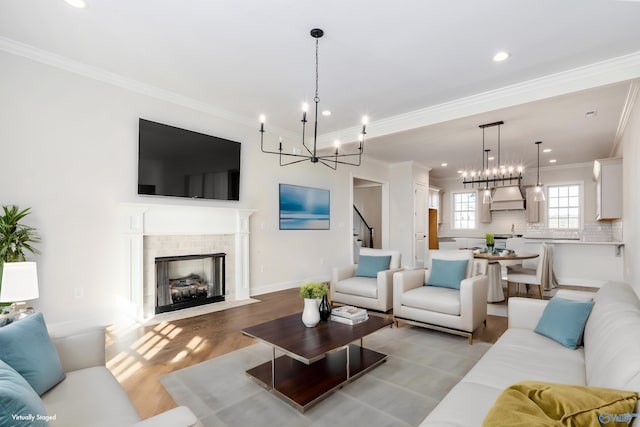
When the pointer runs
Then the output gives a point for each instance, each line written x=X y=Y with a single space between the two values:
x=531 y=403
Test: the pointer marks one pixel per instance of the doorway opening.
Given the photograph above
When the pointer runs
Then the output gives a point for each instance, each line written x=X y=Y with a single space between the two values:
x=369 y=219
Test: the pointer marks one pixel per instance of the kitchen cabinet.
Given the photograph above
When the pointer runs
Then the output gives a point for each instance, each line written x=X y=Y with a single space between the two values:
x=435 y=201
x=607 y=173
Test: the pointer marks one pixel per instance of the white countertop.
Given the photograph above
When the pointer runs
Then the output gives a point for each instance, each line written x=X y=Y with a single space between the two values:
x=569 y=241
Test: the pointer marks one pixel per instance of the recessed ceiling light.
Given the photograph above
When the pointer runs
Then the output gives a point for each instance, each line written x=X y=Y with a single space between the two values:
x=491 y=158
x=326 y=113
x=80 y=4
x=501 y=56
x=546 y=150
x=461 y=171
x=552 y=161
x=444 y=165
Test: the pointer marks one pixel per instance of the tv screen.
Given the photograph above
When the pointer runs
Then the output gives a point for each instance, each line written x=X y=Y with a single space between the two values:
x=182 y=163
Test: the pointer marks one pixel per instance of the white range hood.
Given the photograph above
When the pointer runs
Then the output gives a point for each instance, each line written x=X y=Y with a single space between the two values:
x=507 y=198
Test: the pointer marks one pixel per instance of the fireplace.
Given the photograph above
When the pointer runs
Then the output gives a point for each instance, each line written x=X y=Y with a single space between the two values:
x=151 y=231
x=189 y=280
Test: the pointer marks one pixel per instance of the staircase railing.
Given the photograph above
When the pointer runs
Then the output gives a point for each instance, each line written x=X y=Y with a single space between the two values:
x=361 y=228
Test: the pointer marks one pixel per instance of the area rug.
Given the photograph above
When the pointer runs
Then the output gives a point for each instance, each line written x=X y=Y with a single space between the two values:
x=422 y=367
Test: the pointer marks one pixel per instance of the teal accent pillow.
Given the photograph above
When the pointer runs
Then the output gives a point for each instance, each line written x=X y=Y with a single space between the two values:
x=20 y=405
x=563 y=321
x=369 y=266
x=447 y=273
x=25 y=345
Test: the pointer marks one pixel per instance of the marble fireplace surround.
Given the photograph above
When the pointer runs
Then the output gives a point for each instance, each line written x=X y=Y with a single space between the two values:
x=150 y=230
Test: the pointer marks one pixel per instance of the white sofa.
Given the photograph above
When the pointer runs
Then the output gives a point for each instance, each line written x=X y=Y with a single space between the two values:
x=90 y=396
x=609 y=357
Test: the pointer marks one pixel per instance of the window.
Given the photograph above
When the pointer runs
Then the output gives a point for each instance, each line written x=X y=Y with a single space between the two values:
x=464 y=210
x=564 y=208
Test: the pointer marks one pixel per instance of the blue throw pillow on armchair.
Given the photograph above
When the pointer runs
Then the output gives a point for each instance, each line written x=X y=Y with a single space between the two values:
x=25 y=345
x=369 y=266
x=447 y=273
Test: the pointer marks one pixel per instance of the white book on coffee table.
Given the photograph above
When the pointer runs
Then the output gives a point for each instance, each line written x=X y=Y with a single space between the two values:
x=349 y=312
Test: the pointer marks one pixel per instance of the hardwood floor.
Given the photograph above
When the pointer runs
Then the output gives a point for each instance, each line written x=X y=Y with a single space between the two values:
x=140 y=356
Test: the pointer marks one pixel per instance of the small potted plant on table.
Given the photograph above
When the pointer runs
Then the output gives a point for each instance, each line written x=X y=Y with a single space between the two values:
x=312 y=292
x=490 y=241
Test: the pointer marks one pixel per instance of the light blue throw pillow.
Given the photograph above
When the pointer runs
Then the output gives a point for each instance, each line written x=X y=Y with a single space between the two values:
x=369 y=266
x=447 y=273
x=20 y=405
x=563 y=321
x=25 y=345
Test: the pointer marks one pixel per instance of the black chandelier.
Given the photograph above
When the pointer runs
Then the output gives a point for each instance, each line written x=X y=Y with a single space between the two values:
x=498 y=176
x=330 y=160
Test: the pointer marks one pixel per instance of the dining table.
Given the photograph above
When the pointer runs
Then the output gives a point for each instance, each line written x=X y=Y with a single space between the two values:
x=494 y=270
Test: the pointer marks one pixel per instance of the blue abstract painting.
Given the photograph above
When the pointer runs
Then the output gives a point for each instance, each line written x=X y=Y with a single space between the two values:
x=303 y=208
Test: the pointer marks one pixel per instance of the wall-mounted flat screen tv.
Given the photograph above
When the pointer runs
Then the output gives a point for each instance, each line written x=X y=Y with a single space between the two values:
x=182 y=163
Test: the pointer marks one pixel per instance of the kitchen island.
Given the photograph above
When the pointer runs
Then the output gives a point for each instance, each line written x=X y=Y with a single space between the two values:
x=575 y=262
x=583 y=263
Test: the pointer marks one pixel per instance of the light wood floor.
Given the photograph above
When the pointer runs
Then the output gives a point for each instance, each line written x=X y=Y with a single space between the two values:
x=139 y=357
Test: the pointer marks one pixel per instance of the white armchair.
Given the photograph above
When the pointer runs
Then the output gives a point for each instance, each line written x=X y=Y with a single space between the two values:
x=374 y=293
x=458 y=311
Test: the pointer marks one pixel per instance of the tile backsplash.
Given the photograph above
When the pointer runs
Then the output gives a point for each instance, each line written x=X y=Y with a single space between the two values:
x=502 y=222
x=592 y=232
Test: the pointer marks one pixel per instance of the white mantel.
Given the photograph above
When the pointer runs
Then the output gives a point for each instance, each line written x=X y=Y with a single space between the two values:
x=139 y=220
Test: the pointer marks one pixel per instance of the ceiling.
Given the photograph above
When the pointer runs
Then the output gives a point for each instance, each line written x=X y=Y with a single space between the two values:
x=383 y=59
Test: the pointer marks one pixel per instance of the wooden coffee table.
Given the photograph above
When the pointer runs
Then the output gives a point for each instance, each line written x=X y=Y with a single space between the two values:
x=316 y=361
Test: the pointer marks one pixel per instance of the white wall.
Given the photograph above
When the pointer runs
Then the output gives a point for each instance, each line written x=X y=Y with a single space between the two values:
x=69 y=151
x=403 y=177
x=630 y=151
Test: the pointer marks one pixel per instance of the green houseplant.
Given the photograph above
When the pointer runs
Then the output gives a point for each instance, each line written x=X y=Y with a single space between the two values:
x=489 y=240
x=313 y=290
x=16 y=238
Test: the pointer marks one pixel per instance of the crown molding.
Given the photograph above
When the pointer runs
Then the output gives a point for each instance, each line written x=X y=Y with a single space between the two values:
x=579 y=165
x=104 y=76
x=610 y=71
x=629 y=102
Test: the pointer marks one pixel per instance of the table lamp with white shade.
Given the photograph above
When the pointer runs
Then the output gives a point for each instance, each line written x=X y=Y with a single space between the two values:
x=19 y=283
